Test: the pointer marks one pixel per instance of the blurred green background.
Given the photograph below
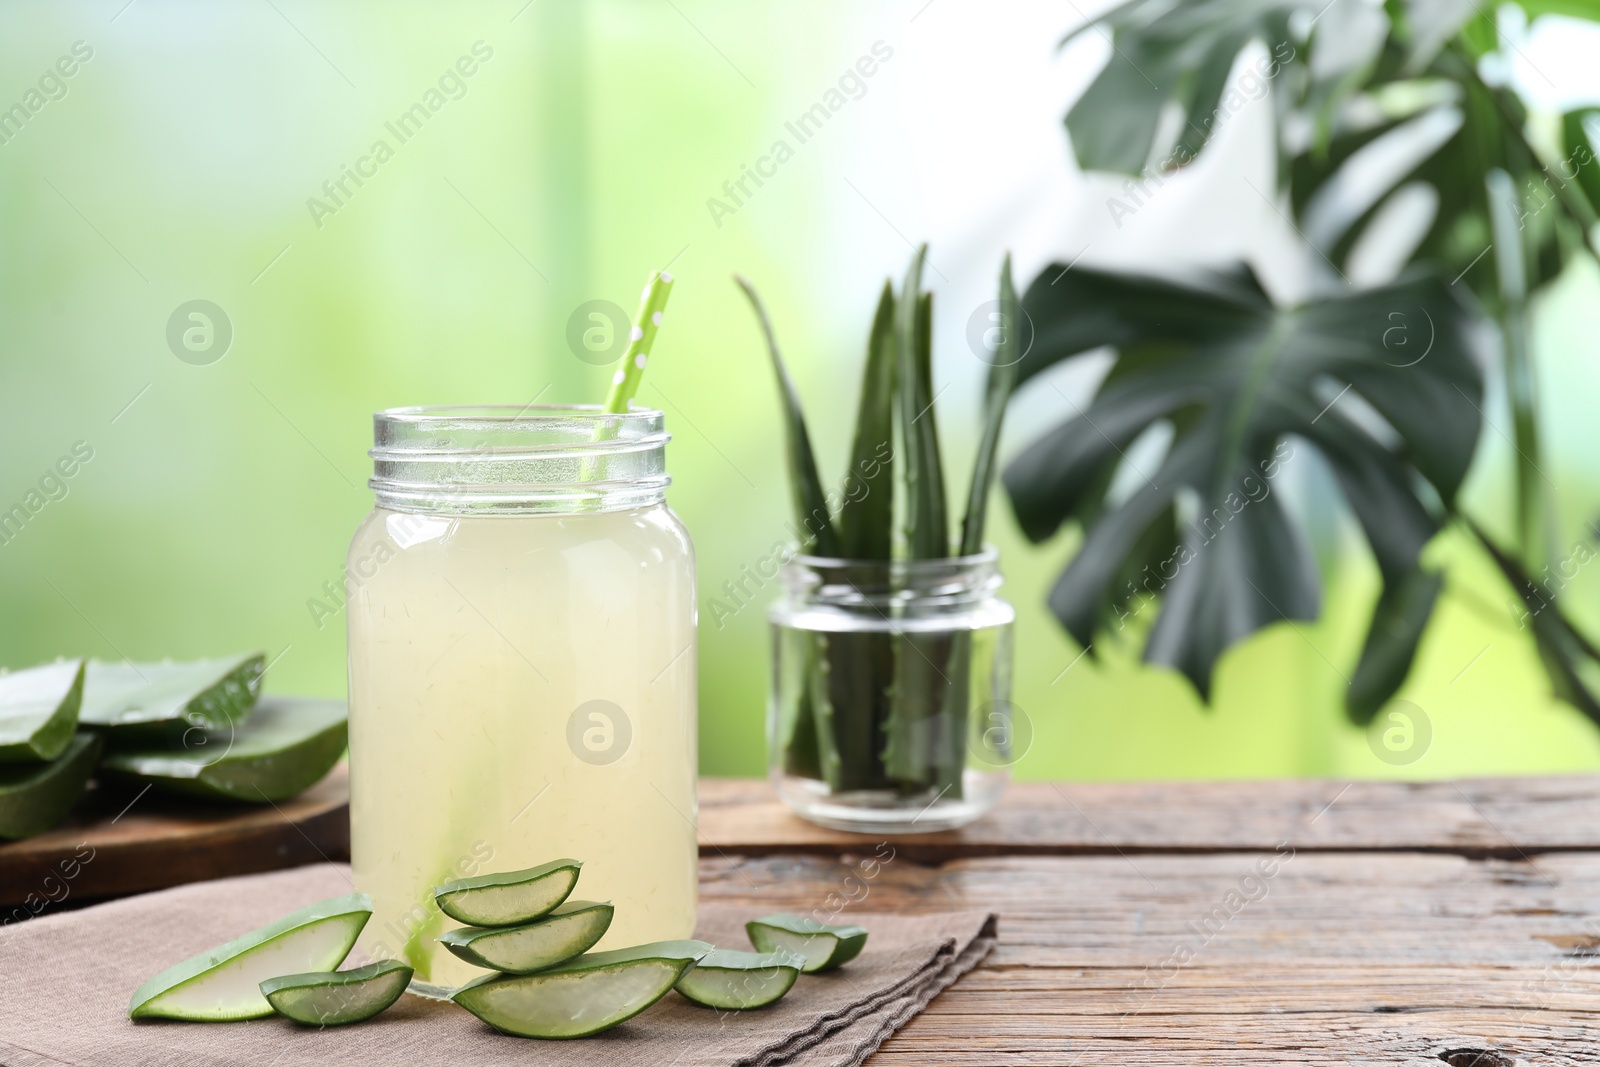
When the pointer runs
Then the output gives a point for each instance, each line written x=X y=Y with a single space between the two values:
x=176 y=164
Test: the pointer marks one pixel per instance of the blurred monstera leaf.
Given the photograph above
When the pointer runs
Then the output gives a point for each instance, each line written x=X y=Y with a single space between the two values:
x=1179 y=56
x=1238 y=384
x=1386 y=125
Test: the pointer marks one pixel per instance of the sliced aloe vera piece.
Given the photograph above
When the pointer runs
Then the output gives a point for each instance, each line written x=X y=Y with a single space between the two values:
x=333 y=998
x=739 y=981
x=508 y=898
x=225 y=983
x=823 y=947
x=284 y=747
x=208 y=693
x=568 y=931
x=36 y=796
x=39 y=711
x=584 y=996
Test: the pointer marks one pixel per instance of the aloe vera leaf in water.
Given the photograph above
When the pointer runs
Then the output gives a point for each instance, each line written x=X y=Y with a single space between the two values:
x=39 y=711
x=866 y=518
x=921 y=720
x=794 y=698
x=823 y=713
x=997 y=391
x=810 y=502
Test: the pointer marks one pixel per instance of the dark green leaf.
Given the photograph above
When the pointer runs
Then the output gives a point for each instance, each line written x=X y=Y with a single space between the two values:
x=1179 y=56
x=1571 y=660
x=810 y=502
x=866 y=518
x=927 y=524
x=1007 y=354
x=1240 y=382
x=1398 y=620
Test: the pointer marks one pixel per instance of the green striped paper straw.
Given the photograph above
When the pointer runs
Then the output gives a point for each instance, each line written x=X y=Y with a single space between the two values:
x=625 y=382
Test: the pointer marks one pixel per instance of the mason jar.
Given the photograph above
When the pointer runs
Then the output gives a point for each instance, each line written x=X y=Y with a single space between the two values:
x=522 y=671
x=890 y=709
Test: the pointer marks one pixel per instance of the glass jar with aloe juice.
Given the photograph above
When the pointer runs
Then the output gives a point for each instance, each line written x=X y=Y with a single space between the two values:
x=522 y=671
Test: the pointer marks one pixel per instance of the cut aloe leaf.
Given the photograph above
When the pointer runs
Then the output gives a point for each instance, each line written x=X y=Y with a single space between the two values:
x=568 y=931
x=508 y=898
x=739 y=981
x=823 y=947
x=225 y=983
x=284 y=747
x=39 y=711
x=36 y=796
x=333 y=998
x=208 y=693
x=584 y=996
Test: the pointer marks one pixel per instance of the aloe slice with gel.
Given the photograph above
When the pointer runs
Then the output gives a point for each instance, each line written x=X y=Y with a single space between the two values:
x=333 y=998
x=225 y=984
x=739 y=981
x=286 y=746
x=508 y=898
x=208 y=693
x=36 y=796
x=568 y=931
x=584 y=996
x=823 y=947
x=39 y=711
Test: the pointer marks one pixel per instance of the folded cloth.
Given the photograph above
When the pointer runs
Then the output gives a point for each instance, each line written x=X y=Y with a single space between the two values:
x=65 y=981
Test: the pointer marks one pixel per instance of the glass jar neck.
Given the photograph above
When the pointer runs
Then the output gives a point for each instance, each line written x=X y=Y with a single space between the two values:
x=894 y=585
x=509 y=460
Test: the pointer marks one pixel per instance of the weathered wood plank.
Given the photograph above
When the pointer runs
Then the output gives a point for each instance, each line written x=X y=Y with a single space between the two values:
x=1376 y=957
x=1482 y=817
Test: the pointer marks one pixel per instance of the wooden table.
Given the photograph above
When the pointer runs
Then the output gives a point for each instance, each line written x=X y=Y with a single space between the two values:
x=1262 y=922
x=1141 y=924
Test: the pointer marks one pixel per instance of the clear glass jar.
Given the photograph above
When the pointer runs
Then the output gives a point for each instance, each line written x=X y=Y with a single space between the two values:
x=522 y=671
x=890 y=709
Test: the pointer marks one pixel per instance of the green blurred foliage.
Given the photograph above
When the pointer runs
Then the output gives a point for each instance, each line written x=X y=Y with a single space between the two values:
x=579 y=156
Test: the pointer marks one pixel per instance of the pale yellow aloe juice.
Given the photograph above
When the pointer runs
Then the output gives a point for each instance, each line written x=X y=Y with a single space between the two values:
x=473 y=642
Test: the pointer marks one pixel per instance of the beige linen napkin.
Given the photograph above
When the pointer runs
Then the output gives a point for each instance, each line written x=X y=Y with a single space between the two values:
x=65 y=981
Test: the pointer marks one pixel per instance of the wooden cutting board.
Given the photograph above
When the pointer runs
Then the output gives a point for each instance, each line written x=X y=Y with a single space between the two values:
x=119 y=843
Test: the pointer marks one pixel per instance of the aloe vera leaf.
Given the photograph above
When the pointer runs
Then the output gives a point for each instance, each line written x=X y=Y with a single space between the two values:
x=866 y=518
x=334 y=998
x=583 y=996
x=822 y=947
x=568 y=931
x=509 y=898
x=39 y=711
x=920 y=661
x=949 y=747
x=224 y=984
x=36 y=796
x=208 y=693
x=860 y=671
x=926 y=531
x=997 y=392
x=820 y=667
x=730 y=980
x=805 y=485
x=799 y=739
x=287 y=745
